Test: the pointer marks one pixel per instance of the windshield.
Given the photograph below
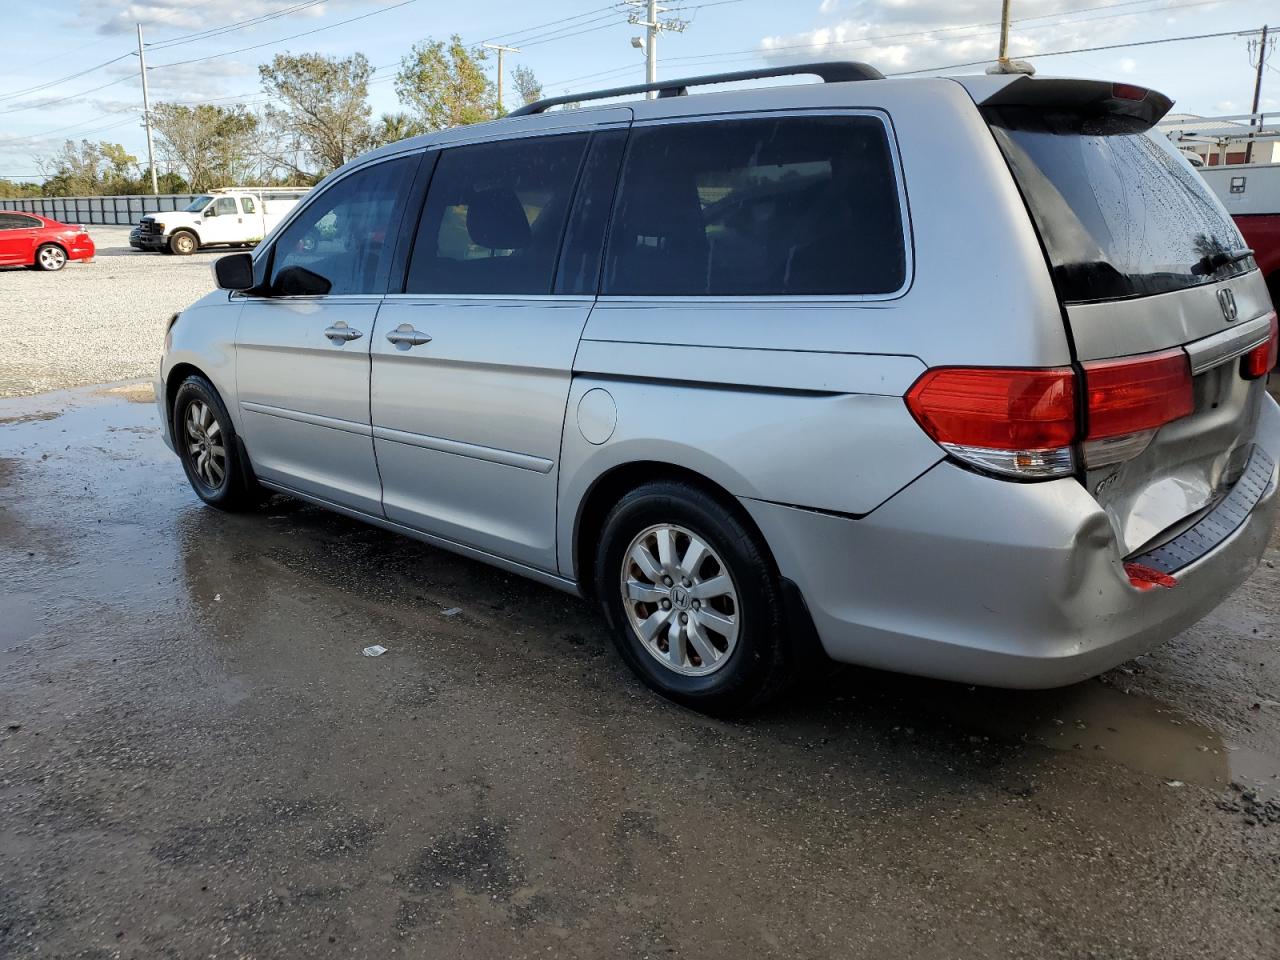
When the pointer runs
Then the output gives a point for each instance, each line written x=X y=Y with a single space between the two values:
x=198 y=204
x=1120 y=214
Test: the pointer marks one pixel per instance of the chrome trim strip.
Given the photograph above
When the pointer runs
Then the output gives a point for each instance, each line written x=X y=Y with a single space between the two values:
x=508 y=458
x=1209 y=352
x=533 y=573
x=313 y=419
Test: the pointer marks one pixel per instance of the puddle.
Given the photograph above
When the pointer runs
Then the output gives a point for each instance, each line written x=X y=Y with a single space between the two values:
x=1142 y=734
x=18 y=625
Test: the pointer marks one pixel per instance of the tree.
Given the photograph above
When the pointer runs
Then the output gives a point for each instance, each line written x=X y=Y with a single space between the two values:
x=326 y=107
x=88 y=168
x=526 y=84
x=445 y=84
x=397 y=126
x=210 y=146
x=10 y=189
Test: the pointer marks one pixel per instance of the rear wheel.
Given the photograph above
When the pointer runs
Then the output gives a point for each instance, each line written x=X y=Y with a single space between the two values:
x=206 y=442
x=693 y=599
x=50 y=257
x=183 y=243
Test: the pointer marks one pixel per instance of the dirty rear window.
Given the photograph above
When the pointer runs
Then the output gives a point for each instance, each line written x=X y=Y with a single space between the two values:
x=1120 y=214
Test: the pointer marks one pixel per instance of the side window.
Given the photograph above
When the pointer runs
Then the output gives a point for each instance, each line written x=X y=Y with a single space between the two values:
x=247 y=204
x=579 y=270
x=341 y=243
x=786 y=206
x=11 y=221
x=494 y=217
x=225 y=206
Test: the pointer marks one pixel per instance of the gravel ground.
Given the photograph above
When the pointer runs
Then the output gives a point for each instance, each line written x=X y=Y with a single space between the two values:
x=94 y=322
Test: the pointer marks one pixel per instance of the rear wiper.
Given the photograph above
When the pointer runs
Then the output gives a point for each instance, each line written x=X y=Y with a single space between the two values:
x=1213 y=262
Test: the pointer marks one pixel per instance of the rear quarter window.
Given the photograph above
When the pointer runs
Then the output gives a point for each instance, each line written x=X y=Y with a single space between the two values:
x=758 y=207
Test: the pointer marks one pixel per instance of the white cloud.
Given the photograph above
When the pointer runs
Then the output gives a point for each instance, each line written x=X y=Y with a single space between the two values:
x=168 y=17
x=898 y=35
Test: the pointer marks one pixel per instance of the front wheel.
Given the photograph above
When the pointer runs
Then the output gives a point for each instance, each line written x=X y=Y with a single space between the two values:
x=183 y=243
x=693 y=599
x=50 y=257
x=206 y=442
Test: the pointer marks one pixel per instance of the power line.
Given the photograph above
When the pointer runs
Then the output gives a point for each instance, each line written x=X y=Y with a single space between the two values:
x=269 y=43
x=237 y=25
x=1063 y=53
x=53 y=83
x=510 y=37
x=866 y=41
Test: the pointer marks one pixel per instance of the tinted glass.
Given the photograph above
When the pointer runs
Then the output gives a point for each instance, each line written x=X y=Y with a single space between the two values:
x=225 y=206
x=344 y=237
x=1120 y=215
x=495 y=216
x=795 y=205
x=579 y=271
x=14 y=221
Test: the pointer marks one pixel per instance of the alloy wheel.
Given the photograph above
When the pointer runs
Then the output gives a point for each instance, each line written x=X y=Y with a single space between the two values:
x=681 y=600
x=205 y=448
x=52 y=258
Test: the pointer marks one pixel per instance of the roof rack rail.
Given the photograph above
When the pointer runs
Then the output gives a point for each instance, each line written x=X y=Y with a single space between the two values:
x=830 y=71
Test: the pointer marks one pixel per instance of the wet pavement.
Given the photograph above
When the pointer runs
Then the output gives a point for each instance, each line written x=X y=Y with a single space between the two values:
x=196 y=759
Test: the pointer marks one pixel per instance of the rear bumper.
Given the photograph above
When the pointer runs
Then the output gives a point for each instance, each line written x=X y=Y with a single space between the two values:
x=81 y=250
x=967 y=578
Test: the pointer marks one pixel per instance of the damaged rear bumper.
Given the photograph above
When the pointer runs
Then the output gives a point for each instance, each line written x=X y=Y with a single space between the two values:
x=967 y=578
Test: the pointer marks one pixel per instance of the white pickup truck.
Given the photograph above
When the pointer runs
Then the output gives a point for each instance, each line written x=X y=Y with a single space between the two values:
x=236 y=217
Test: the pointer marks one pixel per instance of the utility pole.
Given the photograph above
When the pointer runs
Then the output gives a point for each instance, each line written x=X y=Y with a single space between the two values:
x=146 y=114
x=1263 y=49
x=501 y=50
x=653 y=26
x=1003 y=56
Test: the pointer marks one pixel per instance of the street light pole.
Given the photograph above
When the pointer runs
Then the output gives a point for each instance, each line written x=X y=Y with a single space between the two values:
x=146 y=114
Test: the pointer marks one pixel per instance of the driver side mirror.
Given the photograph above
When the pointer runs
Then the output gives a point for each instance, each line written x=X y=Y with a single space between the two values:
x=210 y=211
x=234 y=272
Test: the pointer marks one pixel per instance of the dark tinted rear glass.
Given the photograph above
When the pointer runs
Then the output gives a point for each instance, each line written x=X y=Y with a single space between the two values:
x=795 y=205
x=1120 y=215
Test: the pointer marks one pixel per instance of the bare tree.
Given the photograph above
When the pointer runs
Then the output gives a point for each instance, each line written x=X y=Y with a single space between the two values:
x=326 y=110
x=526 y=84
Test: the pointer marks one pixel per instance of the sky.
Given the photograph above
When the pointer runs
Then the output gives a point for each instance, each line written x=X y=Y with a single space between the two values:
x=202 y=51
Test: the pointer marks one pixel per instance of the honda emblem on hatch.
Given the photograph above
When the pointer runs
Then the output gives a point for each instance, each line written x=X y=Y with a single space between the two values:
x=1227 y=301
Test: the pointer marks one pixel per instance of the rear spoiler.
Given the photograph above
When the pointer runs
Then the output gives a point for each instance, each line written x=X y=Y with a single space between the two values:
x=1096 y=107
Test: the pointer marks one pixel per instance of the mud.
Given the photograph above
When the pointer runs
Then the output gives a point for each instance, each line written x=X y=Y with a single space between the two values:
x=196 y=759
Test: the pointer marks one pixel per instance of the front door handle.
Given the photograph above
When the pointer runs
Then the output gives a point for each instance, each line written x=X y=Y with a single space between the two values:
x=404 y=337
x=341 y=333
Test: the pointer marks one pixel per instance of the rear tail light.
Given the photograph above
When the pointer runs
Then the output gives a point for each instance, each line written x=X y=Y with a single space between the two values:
x=1128 y=400
x=1016 y=422
x=1024 y=423
x=1261 y=360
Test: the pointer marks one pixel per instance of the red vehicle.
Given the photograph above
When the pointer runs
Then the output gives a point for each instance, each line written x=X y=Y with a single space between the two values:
x=33 y=241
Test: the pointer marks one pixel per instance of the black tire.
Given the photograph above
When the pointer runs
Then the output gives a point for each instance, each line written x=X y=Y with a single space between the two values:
x=184 y=243
x=762 y=662
x=236 y=488
x=50 y=258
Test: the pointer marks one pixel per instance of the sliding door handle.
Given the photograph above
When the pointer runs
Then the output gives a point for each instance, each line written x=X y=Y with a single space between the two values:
x=404 y=337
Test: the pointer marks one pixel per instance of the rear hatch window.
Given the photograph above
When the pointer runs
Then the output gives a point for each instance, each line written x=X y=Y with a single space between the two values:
x=1120 y=215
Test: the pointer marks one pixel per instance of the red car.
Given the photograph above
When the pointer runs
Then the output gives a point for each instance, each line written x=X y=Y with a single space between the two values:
x=33 y=241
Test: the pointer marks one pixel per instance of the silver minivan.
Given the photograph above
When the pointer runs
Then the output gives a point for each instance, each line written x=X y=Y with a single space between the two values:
x=962 y=377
